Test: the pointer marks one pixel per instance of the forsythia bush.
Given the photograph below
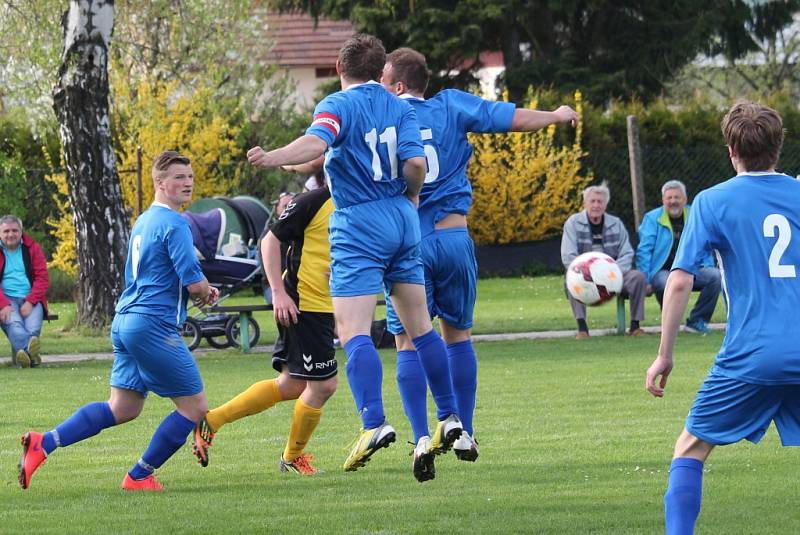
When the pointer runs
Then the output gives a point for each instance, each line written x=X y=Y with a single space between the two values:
x=65 y=256
x=166 y=117
x=524 y=186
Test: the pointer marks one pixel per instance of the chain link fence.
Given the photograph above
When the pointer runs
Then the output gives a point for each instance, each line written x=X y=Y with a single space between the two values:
x=699 y=167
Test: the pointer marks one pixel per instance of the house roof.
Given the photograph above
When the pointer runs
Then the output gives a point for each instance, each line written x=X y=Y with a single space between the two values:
x=299 y=43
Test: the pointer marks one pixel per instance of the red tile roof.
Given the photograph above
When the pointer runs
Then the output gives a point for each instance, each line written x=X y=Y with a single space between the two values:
x=299 y=43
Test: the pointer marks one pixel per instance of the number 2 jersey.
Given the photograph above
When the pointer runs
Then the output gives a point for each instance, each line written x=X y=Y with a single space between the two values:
x=444 y=122
x=161 y=263
x=752 y=221
x=370 y=134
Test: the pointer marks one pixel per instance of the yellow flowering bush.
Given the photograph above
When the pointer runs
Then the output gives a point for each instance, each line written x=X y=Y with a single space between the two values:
x=65 y=256
x=524 y=185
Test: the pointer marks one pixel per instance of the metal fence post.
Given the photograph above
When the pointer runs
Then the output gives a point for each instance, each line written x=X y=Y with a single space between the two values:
x=637 y=172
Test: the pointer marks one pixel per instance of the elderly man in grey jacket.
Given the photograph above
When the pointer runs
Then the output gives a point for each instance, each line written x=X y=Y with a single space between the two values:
x=594 y=230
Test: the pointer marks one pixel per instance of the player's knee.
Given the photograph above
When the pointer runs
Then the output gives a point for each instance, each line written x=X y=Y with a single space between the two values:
x=124 y=412
x=290 y=387
x=325 y=389
x=690 y=446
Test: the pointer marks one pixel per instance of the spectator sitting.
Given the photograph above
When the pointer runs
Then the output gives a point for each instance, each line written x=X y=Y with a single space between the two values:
x=594 y=230
x=659 y=235
x=23 y=290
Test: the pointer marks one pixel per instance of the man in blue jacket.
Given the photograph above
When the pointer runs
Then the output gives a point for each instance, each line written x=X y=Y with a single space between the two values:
x=659 y=235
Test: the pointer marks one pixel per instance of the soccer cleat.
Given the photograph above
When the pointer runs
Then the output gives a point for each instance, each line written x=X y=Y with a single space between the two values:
x=447 y=431
x=697 y=326
x=202 y=439
x=301 y=465
x=150 y=483
x=23 y=359
x=367 y=443
x=34 y=351
x=466 y=448
x=582 y=335
x=423 y=467
x=33 y=456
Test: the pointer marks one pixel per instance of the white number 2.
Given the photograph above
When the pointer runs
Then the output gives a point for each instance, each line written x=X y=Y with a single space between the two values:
x=779 y=222
x=388 y=136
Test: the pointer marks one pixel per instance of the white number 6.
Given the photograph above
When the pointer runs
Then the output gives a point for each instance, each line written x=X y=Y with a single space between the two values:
x=776 y=269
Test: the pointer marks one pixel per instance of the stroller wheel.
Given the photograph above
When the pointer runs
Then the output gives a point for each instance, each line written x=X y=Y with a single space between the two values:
x=219 y=342
x=233 y=331
x=190 y=332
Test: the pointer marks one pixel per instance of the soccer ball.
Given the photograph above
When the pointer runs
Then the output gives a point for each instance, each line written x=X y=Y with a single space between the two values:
x=594 y=278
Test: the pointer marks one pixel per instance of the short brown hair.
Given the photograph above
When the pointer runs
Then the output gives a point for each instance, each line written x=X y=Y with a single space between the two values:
x=409 y=67
x=755 y=133
x=167 y=158
x=362 y=58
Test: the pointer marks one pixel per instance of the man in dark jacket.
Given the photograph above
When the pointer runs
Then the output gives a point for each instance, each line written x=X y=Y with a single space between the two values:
x=23 y=290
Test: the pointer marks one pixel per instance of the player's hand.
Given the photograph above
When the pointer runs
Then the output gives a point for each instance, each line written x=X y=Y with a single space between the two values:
x=661 y=367
x=258 y=157
x=287 y=168
x=25 y=309
x=284 y=308
x=213 y=296
x=5 y=313
x=567 y=115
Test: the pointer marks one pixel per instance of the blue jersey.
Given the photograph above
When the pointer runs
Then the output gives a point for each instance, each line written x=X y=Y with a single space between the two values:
x=752 y=221
x=444 y=122
x=370 y=134
x=161 y=263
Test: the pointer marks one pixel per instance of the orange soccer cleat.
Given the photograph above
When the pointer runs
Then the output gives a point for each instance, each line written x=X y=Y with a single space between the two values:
x=33 y=455
x=148 y=484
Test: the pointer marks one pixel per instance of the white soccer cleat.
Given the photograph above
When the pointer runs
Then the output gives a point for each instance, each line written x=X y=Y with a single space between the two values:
x=466 y=448
x=423 y=460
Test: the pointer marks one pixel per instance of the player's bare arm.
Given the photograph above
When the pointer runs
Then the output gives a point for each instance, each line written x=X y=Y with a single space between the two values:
x=303 y=149
x=307 y=168
x=283 y=306
x=202 y=293
x=414 y=170
x=676 y=299
x=525 y=120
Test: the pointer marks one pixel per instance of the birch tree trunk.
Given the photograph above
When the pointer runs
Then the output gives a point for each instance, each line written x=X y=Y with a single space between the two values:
x=80 y=100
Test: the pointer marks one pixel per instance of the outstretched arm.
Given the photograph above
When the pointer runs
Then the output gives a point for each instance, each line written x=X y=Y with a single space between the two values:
x=303 y=149
x=308 y=168
x=525 y=120
x=676 y=298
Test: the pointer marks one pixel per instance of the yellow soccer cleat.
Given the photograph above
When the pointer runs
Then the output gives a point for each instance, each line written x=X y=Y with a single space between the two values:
x=367 y=443
x=447 y=432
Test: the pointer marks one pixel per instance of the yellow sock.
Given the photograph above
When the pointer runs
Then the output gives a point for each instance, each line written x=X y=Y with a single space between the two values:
x=259 y=397
x=304 y=421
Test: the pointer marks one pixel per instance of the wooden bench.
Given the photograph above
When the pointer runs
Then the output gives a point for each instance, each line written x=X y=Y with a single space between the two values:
x=245 y=312
x=51 y=317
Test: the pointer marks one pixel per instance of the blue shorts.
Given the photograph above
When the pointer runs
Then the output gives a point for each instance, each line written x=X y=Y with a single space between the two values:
x=727 y=410
x=374 y=245
x=451 y=278
x=150 y=355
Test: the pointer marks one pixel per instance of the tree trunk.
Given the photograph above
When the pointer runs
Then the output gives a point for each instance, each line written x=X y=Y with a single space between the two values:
x=80 y=100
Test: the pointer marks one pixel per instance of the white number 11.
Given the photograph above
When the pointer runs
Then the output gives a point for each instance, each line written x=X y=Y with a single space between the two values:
x=388 y=136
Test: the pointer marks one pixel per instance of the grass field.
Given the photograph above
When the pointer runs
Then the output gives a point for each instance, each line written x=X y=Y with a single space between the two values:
x=570 y=443
x=504 y=305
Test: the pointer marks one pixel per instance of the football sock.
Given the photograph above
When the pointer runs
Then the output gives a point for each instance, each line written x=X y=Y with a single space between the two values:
x=464 y=371
x=433 y=357
x=257 y=398
x=304 y=420
x=365 y=375
x=167 y=439
x=634 y=325
x=582 y=325
x=413 y=392
x=683 y=496
x=84 y=423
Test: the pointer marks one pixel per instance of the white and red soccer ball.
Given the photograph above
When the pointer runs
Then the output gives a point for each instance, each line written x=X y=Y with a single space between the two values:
x=594 y=278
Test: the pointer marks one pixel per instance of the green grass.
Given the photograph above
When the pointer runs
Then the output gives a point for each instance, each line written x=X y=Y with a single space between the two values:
x=504 y=305
x=570 y=443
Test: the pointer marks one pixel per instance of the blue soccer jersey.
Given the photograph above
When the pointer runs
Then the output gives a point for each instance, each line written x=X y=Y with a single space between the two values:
x=444 y=122
x=752 y=221
x=161 y=263
x=370 y=134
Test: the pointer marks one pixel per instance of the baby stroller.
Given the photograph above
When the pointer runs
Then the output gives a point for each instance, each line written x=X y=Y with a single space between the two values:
x=225 y=234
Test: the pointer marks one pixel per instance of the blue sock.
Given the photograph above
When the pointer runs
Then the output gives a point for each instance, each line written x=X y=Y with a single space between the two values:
x=413 y=391
x=167 y=439
x=84 y=423
x=464 y=371
x=683 y=496
x=433 y=357
x=365 y=375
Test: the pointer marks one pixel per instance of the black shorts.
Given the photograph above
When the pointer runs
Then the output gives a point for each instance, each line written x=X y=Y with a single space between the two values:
x=307 y=347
